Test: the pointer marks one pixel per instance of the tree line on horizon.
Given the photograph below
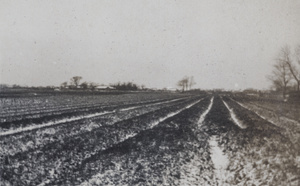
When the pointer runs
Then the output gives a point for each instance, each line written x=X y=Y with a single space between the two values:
x=75 y=83
x=186 y=83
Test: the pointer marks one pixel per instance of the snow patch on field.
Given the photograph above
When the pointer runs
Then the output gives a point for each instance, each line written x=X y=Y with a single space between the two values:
x=191 y=173
x=275 y=120
x=234 y=117
x=244 y=106
x=172 y=114
x=264 y=118
x=52 y=123
x=202 y=117
x=163 y=102
x=219 y=159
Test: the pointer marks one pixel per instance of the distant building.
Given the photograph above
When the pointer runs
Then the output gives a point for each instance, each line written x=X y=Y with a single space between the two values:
x=251 y=92
x=105 y=87
x=171 y=89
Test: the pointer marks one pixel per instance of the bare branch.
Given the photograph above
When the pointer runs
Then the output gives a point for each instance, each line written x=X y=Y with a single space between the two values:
x=281 y=75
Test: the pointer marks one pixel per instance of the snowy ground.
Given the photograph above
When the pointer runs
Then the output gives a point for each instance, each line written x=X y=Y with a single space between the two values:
x=196 y=140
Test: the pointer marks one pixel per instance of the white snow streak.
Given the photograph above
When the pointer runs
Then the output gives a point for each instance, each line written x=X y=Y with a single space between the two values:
x=219 y=159
x=234 y=118
x=172 y=114
x=202 y=117
x=52 y=123
x=135 y=107
x=242 y=105
x=272 y=121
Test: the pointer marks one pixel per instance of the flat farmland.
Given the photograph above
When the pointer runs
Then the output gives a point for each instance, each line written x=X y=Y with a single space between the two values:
x=145 y=138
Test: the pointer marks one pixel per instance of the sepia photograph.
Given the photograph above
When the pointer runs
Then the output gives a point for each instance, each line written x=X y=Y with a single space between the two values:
x=149 y=92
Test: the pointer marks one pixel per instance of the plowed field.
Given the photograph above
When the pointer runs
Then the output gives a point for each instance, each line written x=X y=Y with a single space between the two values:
x=145 y=139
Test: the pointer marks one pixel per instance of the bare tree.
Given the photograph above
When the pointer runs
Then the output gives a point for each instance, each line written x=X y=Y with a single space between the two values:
x=64 y=85
x=285 y=57
x=297 y=55
x=75 y=80
x=93 y=85
x=181 y=84
x=281 y=76
x=84 y=85
x=184 y=83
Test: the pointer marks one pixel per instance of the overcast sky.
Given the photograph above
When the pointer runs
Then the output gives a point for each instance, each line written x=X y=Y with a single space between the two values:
x=223 y=44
